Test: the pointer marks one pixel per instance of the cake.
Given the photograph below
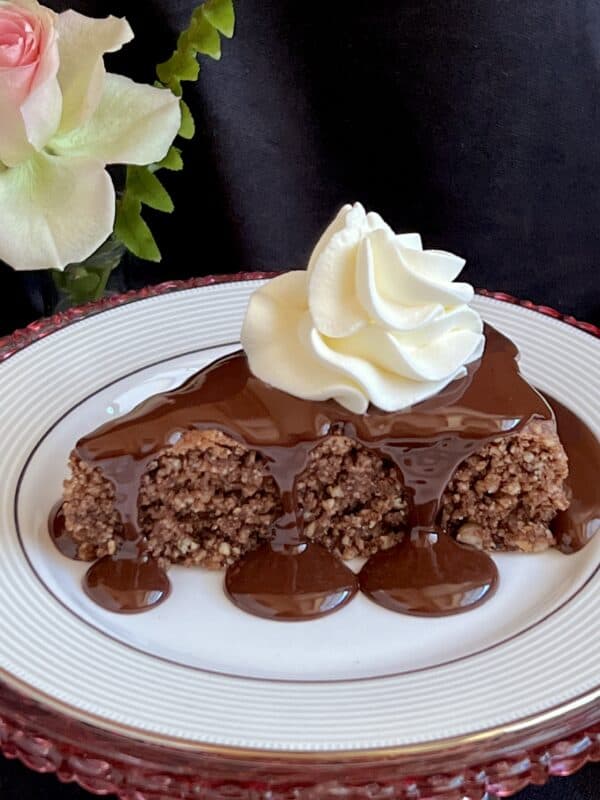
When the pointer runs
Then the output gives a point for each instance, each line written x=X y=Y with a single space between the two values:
x=501 y=498
x=369 y=408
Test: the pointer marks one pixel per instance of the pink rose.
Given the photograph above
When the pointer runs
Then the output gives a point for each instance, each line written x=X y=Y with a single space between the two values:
x=63 y=118
x=30 y=97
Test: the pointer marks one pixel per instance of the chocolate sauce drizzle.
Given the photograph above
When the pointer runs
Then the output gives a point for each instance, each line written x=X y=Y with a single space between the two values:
x=289 y=578
x=576 y=526
x=62 y=540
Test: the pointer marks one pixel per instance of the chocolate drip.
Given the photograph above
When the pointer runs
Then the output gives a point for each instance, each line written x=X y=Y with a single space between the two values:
x=127 y=583
x=429 y=574
x=576 y=526
x=62 y=540
x=290 y=582
x=290 y=578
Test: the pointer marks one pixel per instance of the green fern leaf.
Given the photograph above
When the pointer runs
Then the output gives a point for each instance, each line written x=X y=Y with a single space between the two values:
x=221 y=15
x=204 y=36
x=147 y=188
x=172 y=161
x=172 y=83
x=182 y=66
x=188 y=126
x=131 y=229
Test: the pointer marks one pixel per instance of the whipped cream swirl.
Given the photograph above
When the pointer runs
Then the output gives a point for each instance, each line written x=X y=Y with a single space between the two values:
x=374 y=319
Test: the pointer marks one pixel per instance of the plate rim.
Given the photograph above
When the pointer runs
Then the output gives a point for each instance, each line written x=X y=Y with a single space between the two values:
x=581 y=705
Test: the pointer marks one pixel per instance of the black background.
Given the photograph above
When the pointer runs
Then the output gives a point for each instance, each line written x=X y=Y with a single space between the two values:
x=474 y=123
x=18 y=783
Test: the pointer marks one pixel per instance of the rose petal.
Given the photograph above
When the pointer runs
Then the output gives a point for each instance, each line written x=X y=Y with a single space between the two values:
x=82 y=44
x=14 y=85
x=54 y=211
x=29 y=5
x=134 y=124
x=41 y=113
x=42 y=109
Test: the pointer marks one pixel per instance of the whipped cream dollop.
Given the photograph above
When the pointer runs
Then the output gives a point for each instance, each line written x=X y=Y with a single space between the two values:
x=374 y=319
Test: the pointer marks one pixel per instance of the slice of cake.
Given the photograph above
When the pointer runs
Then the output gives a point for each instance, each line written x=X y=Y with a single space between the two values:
x=209 y=499
x=370 y=404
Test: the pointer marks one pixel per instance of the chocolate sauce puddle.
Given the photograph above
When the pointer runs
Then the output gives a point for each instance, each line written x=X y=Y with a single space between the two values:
x=288 y=578
x=576 y=526
x=127 y=584
x=429 y=574
x=294 y=582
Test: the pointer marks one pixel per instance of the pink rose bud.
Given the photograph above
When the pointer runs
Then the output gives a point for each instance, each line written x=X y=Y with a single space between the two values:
x=30 y=97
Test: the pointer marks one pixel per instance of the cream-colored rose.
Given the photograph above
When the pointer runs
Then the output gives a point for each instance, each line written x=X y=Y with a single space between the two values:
x=62 y=120
x=374 y=319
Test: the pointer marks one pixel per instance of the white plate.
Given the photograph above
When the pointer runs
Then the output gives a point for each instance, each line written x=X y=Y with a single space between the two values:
x=196 y=669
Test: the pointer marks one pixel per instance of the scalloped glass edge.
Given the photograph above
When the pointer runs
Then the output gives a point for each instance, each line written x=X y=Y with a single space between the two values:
x=102 y=762
x=106 y=763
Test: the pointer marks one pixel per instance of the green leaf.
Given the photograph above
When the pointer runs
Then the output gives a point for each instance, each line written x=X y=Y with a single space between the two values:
x=85 y=287
x=172 y=161
x=221 y=15
x=131 y=229
x=182 y=65
x=82 y=283
x=188 y=126
x=60 y=279
x=204 y=35
x=87 y=280
x=173 y=84
x=208 y=21
x=148 y=189
x=201 y=36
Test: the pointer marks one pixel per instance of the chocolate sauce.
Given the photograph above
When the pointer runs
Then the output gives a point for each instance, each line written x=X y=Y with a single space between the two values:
x=300 y=581
x=127 y=583
x=63 y=541
x=289 y=578
x=429 y=574
x=574 y=527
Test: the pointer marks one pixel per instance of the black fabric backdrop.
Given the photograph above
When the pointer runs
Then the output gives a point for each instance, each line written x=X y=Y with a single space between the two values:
x=474 y=123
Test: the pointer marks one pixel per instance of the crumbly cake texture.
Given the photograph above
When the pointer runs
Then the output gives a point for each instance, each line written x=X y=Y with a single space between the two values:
x=208 y=499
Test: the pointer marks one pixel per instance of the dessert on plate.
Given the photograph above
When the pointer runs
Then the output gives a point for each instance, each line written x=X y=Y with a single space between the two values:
x=371 y=413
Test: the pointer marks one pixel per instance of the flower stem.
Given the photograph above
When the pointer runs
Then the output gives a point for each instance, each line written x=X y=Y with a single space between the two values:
x=85 y=282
